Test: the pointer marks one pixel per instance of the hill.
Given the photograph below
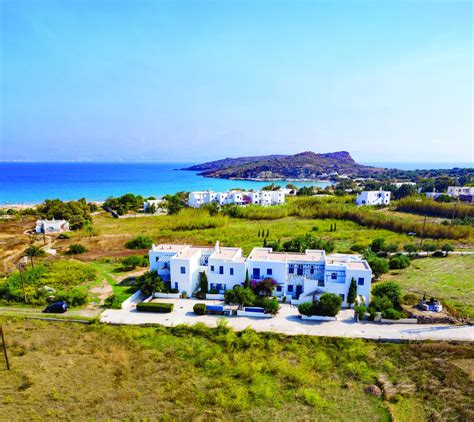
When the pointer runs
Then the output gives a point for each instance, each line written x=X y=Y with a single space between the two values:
x=305 y=165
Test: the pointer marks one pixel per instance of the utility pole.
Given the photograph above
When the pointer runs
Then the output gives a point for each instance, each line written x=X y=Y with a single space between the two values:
x=20 y=266
x=4 y=348
x=423 y=233
x=454 y=211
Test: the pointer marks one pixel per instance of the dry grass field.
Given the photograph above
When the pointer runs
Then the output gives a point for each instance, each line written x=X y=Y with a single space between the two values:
x=75 y=372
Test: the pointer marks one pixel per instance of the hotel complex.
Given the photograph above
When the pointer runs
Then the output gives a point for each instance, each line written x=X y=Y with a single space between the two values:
x=300 y=277
x=237 y=197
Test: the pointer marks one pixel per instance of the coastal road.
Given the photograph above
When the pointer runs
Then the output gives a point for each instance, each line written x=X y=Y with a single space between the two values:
x=288 y=322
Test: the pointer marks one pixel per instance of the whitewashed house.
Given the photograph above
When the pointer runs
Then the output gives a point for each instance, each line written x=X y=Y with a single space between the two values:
x=152 y=202
x=464 y=193
x=237 y=197
x=52 y=226
x=398 y=184
x=373 y=197
x=300 y=277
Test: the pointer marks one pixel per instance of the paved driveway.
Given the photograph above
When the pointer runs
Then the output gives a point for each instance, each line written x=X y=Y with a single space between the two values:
x=288 y=322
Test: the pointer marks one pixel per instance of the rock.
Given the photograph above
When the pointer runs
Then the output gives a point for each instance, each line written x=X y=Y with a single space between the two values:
x=373 y=390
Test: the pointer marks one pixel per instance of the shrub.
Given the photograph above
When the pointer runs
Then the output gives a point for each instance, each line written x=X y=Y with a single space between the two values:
x=113 y=302
x=360 y=310
x=379 y=266
x=329 y=304
x=270 y=304
x=380 y=304
x=438 y=254
x=139 y=242
x=214 y=292
x=429 y=247
x=184 y=295
x=76 y=249
x=162 y=308
x=399 y=262
x=131 y=262
x=73 y=297
x=391 y=313
x=199 y=308
x=306 y=308
x=391 y=290
x=150 y=282
x=201 y=295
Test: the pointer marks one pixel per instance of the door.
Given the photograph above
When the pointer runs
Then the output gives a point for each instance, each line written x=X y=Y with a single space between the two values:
x=299 y=290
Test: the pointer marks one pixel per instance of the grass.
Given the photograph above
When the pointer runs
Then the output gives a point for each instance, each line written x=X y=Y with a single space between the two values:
x=100 y=372
x=232 y=232
x=449 y=279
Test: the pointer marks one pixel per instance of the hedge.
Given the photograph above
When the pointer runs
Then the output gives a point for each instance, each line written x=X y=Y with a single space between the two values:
x=199 y=308
x=162 y=308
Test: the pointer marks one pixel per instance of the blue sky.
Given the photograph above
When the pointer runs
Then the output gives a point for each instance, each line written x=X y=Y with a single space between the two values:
x=197 y=80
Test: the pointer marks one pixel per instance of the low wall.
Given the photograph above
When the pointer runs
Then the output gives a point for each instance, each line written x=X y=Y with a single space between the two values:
x=318 y=318
x=132 y=300
x=214 y=296
x=253 y=314
x=159 y=295
x=400 y=321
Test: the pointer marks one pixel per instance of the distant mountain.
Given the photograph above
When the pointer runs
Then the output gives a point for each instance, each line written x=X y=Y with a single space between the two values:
x=305 y=165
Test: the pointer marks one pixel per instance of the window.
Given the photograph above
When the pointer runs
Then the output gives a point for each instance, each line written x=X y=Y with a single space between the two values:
x=157 y=259
x=360 y=281
x=221 y=270
x=320 y=283
x=291 y=270
x=333 y=276
x=256 y=273
x=176 y=285
x=311 y=270
x=342 y=297
x=278 y=288
x=231 y=271
x=212 y=267
x=183 y=270
x=269 y=271
x=299 y=271
x=290 y=289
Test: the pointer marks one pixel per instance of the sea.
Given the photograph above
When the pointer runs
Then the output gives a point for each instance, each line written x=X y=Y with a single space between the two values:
x=31 y=183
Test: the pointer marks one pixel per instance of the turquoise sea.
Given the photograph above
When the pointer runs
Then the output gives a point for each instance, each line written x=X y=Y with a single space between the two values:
x=28 y=183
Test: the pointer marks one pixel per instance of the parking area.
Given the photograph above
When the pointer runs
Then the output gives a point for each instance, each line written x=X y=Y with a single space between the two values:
x=288 y=322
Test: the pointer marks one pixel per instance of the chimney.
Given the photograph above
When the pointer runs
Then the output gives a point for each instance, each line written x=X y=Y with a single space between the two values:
x=216 y=247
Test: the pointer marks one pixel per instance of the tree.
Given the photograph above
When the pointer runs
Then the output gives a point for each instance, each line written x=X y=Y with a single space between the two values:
x=264 y=242
x=391 y=290
x=173 y=204
x=243 y=296
x=335 y=226
x=399 y=262
x=404 y=191
x=203 y=283
x=149 y=283
x=330 y=228
x=447 y=247
x=377 y=244
x=291 y=186
x=131 y=262
x=151 y=209
x=247 y=279
x=268 y=232
x=33 y=251
x=265 y=287
x=352 y=293
x=379 y=266
x=212 y=208
x=258 y=233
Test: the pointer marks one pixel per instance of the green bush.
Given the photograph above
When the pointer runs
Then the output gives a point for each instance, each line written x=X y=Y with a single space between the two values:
x=399 y=262
x=391 y=313
x=391 y=290
x=131 y=262
x=380 y=304
x=199 y=308
x=201 y=295
x=162 y=308
x=360 y=311
x=149 y=283
x=438 y=254
x=139 y=242
x=76 y=249
x=306 y=308
x=270 y=304
x=73 y=297
x=113 y=302
x=329 y=304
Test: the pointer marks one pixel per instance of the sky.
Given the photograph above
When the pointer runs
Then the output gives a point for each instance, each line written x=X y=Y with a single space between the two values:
x=103 y=80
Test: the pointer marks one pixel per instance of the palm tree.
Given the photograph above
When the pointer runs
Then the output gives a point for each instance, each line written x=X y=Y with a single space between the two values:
x=33 y=251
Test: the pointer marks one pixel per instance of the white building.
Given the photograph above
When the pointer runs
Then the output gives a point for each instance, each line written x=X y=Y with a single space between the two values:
x=457 y=191
x=373 y=197
x=238 y=197
x=149 y=202
x=52 y=226
x=398 y=184
x=299 y=276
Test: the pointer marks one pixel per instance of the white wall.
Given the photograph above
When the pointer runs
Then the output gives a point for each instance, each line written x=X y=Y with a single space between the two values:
x=373 y=198
x=226 y=278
